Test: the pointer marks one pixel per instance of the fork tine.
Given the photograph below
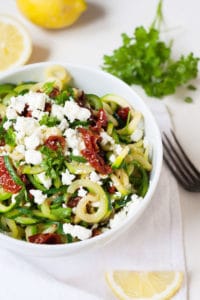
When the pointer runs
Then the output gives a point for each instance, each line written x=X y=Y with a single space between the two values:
x=184 y=154
x=182 y=159
x=175 y=173
x=182 y=164
x=175 y=166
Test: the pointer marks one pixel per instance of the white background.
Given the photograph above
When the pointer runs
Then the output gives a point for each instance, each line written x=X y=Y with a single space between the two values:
x=96 y=33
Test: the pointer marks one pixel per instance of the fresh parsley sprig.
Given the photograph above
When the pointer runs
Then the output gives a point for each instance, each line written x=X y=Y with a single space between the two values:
x=53 y=161
x=145 y=60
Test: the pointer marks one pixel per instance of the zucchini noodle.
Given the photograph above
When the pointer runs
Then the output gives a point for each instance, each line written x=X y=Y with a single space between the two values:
x=68 y=159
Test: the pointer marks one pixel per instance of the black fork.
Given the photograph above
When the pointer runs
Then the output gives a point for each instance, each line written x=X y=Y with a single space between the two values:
x=180 y=165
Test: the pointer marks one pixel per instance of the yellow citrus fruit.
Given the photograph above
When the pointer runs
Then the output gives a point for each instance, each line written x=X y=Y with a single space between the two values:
x=15 y=43
x=52 y=14
x=58 y=73
x=134 y=285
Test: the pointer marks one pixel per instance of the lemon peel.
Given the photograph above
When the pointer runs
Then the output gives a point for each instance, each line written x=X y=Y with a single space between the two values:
x=52 y=14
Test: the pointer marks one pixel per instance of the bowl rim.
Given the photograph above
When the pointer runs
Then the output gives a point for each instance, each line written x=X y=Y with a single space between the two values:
x=153 y=184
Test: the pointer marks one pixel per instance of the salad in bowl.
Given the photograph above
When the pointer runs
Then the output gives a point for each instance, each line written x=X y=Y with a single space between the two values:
x=73 y=164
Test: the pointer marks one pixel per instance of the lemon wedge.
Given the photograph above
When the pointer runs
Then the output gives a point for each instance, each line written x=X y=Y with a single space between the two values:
x=129 y=285
x=52 y=14
x=15 y=43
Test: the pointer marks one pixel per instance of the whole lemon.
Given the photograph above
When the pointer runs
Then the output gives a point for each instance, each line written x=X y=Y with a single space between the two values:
x=52 y=14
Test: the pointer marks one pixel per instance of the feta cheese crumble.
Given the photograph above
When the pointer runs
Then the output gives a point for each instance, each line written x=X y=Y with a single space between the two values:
x=18 y=103
x=13 y=198
x=33 y=157
x=57 y=111
x=106 y=138
x=78 y=231
x=125 y=211
x=45 y=180
x=25 y=126
x=82 y=192
x=35 y=100
x=67 y=178
x=39 y=197
x=137 y=135
x=74 y=112
x=74 y=141
x=33 y=141
x=7 y=125
x=94 y=176
x=11 y=113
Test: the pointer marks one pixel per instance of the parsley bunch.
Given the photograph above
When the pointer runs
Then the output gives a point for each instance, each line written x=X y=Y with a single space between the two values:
x=145 y=60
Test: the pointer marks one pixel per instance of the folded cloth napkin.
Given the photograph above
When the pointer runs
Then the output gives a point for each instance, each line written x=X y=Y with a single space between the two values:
x=154 y=242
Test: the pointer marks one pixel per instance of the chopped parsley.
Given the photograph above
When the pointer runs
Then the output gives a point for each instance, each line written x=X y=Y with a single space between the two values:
x=53 y=161
x=7 y=136
x=10 y=137
x=188 y=100
x=48 y=87
x=191 y=87
x=64 y=96
x=49 y=121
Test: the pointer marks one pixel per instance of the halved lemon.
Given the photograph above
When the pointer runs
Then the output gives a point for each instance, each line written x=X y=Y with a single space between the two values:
x=129 y=285
x=15 y=43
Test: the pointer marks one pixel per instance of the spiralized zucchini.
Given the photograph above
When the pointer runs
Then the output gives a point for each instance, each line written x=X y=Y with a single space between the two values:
x=69 y=161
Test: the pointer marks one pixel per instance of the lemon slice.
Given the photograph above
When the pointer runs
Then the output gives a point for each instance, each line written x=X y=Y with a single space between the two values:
x=15 y=43
x=129 y=285
x=58 y=74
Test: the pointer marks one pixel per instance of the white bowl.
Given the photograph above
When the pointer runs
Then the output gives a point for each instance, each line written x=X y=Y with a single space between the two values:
x=97 y=82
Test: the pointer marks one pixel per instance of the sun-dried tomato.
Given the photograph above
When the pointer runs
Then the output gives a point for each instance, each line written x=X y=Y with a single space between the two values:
x=96 y=231
x=45 y=238
x=24 y=179
x=48 y=107
x=73 y=201
x=26 y=112
x=6 y=181
x=92 y=152
x=2 y=142
x=54 y=93
x=101 y=120
x=111 y=189
x=96 y=161
x=81 y=99
x=123 y=113
x=90 y=138
x=54 y=142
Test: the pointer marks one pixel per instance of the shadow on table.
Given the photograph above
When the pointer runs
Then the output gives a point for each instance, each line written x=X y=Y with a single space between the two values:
x=93 y=13
x=39 y=54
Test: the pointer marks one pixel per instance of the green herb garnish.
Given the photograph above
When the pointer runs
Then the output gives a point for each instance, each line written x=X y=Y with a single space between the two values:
x=10 y=137
x=145 y=60
x=48 y=87
x=7 y=136
x=188 y=99
x=64 y=96
x=49 y=121
x=191 y=87
x=53 y=161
